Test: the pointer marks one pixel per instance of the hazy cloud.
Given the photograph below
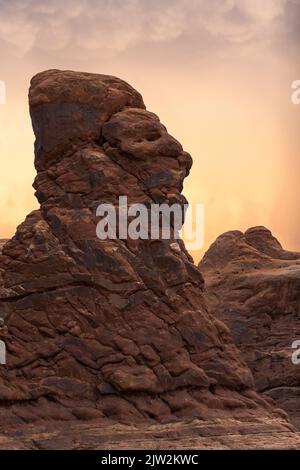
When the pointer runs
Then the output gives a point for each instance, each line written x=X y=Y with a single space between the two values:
x=288 y=25
x=112 y=26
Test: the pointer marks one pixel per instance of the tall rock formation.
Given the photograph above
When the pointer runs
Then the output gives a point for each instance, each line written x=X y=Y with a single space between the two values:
x=111 y=329
x=253 y=285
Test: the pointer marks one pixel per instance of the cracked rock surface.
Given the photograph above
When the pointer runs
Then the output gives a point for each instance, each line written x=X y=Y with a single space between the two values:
x=253 y=285
x=110 y=330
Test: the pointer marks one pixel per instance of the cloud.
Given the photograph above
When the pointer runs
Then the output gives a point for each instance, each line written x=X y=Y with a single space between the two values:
x=113 y=26
x=288 y=26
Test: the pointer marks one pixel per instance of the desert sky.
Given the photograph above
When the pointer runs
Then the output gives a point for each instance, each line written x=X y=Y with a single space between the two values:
x=217 y=72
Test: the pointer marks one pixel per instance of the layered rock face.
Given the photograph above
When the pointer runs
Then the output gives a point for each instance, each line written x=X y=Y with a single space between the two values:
x=2 y=243
x=253 y=285
x=109 y=329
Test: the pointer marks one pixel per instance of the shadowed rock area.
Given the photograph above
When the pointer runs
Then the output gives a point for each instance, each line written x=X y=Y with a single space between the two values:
x=2 y=243
x=253 y=285
x=114 y=330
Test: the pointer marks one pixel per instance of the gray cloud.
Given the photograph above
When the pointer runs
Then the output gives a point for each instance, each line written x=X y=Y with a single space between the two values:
x=114 y=26
x=287 y=26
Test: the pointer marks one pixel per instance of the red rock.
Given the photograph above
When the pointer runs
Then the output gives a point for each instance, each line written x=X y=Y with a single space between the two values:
x=110 y=329
x=253 y=285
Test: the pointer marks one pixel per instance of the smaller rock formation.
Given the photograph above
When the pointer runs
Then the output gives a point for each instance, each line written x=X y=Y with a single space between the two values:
x=253 y=285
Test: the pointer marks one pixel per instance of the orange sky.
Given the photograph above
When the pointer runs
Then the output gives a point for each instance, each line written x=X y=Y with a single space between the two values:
x=218 y=73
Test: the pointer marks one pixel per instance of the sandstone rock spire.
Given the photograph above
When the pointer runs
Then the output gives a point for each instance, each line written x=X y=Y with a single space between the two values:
x=111 y=329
